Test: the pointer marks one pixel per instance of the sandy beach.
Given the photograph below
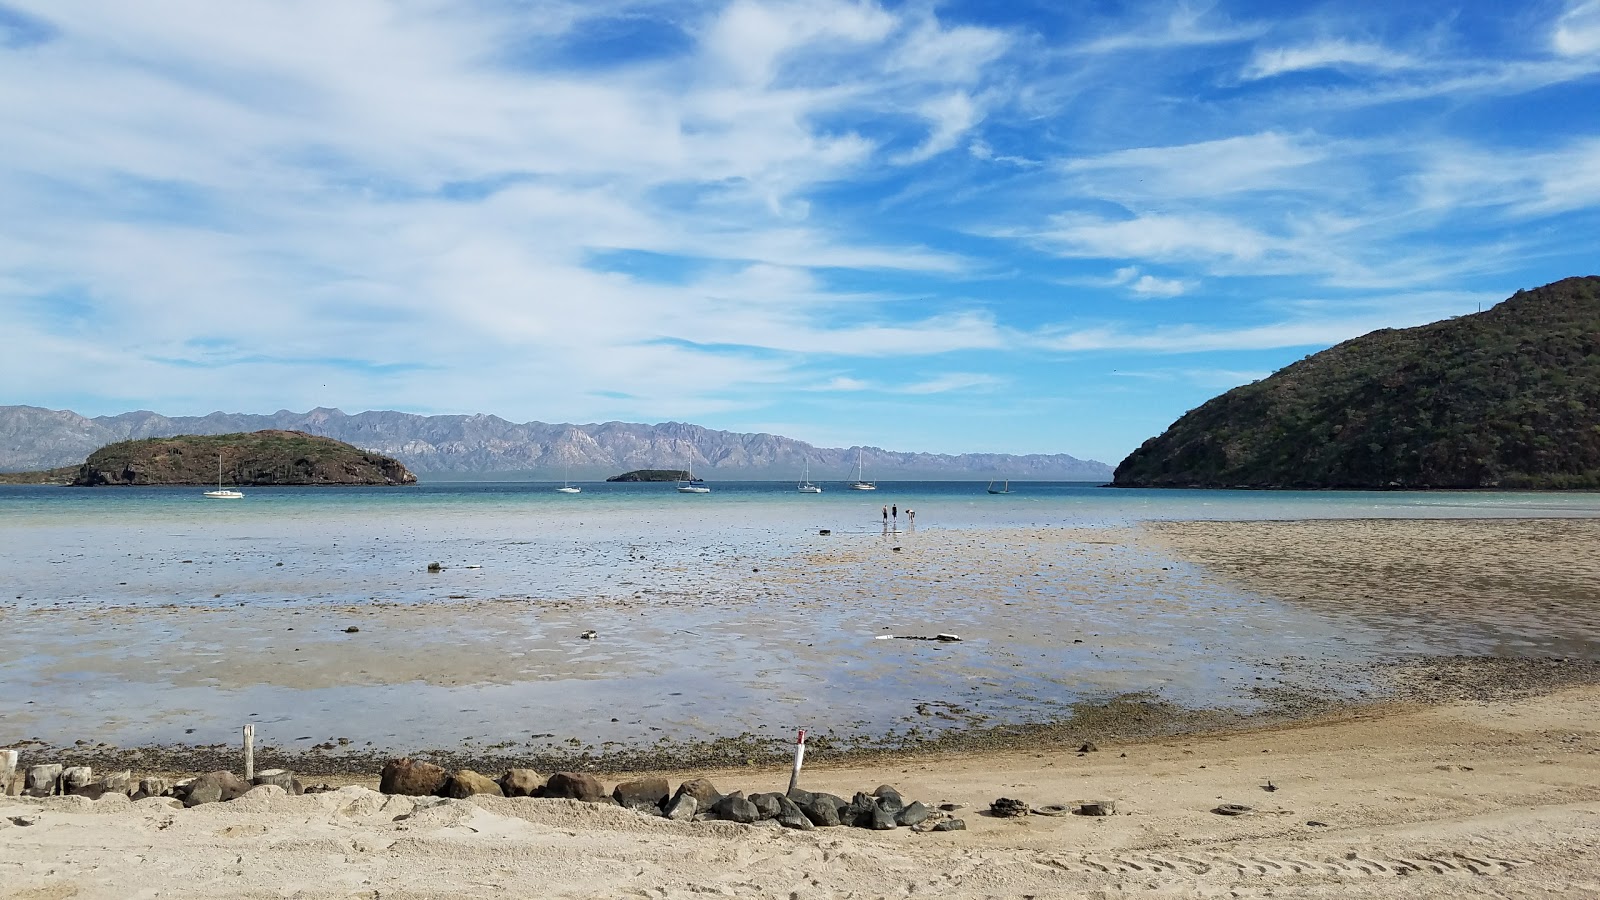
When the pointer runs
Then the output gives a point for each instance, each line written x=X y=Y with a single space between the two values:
x=1473 y=772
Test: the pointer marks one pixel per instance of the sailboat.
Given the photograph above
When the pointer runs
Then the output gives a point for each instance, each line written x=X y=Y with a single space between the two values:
x=222 y=493
x=1006 y=489
x=806 y=487
x=566 y=486
x=693 y=485
x=859 y=484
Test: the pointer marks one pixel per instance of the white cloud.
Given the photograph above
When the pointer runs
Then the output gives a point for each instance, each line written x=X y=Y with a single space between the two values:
x=950 y=116
x=1149 y=285
x=953 y=381
x=1188 y=25
x=1577 y=32
x=1160 y=238
x=753 y=38
x=1261 y=161
x=1326 y=54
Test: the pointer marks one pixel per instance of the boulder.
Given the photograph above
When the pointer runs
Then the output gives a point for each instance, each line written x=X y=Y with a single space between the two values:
x=889 y=798
x=822 y=810
x=951 y=825
x=118 y=782
x=646 y=794
x=735 y=808
x=467 y=783
x=882 y=820
x=75 y=779
x=412 y=778
x=282 y=778
x=790 y=816
x=151 y=787
x=705 y=793
x=914 y=813
x=521 y=783
x=766 y=805
x=1006 y=807
x=215 y=787
x=576 y=786
x=682 y=807
x=43 y=781
x=800 y=797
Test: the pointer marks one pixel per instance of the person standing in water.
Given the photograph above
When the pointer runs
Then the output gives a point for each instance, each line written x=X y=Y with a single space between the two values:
x=886 y=518
x=894 y=511
x=911 y=517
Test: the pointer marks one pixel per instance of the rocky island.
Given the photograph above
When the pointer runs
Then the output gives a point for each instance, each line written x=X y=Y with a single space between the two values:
x=652 y=475
x=257 y=458
x=1505 y=398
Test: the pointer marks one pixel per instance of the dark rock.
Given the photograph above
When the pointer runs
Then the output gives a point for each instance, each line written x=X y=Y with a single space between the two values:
x=914 y=813
x=790 y=816
x=951 y=825
x=800 y=797
x=735 y=808
x=412 y=778
x=151 y=787
x=766 y=804
x=822 y=810
x=1088 y=747
x=521 y=783
x=1005 y=807
x=215 y=787
x=889 y=798
x=75 y=779
x=467 y=783
x=646 y=793
x=682 y=808
x=882 y=820
x=576 y=786
x=702 y=790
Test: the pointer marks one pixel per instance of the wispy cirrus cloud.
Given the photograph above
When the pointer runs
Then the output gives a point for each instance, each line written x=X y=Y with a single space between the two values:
x=1334 y=53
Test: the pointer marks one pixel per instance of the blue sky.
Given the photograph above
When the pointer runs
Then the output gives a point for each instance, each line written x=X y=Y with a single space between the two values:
x=1023 y=226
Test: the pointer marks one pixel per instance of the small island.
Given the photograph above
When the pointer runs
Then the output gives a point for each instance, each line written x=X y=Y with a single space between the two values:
x=652 y=475
x=256 y=458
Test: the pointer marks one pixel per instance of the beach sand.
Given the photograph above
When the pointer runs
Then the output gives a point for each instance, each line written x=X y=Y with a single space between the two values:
x=1497 y=799
x=1471 y=773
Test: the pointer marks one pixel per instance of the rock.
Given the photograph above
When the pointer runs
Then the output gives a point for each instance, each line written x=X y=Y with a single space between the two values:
x=889 y=798
x=951 y=825
x=412 y=778
x=648 y=794
x=435 y=567
x=766 y=804
x=75 y=779
x=790 y=816
x=735 y=808
x=800 y=797
x=521 y=783
x=42 y=781
x=281 y=777
x=1232 y=809
x=682 y=807
x=822 y=810
x=151 y=787
x=1005 y=807
x=702 y=790
x=882 y=820
x=352 y=630
x=118 y=782
x=576 y=786
x=914 y=813
x=215 y=787
x=467 y=783
x=1098 y=808
x=1088 y=747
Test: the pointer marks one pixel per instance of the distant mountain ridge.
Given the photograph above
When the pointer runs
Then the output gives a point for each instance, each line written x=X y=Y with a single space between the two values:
x=1508 y=398
x=33 y=438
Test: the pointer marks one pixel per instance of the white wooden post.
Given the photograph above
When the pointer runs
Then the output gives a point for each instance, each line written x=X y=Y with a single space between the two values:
x=249 y=752
x=799 y=757
x=8 y=770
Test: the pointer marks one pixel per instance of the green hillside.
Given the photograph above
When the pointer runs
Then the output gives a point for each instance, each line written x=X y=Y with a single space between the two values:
x=255 y=458
x=1507 y=398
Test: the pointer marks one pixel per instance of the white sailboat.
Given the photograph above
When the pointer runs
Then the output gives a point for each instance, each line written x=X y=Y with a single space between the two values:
x=1004 y=490
x=860 y=484
x=693 y=485
x=221 y=493
x=566 y=486
x=806 y=487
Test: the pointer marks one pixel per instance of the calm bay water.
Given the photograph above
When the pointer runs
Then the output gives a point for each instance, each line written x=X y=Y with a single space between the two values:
x=155 y=615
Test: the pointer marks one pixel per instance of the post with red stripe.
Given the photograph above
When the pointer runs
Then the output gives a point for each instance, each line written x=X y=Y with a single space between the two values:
x=799 y=757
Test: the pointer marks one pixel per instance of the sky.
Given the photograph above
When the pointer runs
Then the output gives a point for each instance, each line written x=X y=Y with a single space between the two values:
x=1030 y=226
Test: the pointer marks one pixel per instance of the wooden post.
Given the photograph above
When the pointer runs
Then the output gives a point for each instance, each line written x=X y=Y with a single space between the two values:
x=799 y=757
x=8 y=770
x=249 y=752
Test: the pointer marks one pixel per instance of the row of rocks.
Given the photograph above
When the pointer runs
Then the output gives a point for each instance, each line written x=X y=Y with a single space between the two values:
x=54 y=779
x=695 y=800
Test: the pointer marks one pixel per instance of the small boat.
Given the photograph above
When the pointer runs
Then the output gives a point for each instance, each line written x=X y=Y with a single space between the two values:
x=860 y=484
x=566 y=487
x=693 y=485
x=806 y=487
x=222 y=493
x=1005 y=489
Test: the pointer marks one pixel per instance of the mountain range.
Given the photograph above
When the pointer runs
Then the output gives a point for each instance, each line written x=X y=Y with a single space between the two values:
x=480 y=447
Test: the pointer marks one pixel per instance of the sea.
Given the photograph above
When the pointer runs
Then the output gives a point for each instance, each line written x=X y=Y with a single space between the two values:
x=156 y=616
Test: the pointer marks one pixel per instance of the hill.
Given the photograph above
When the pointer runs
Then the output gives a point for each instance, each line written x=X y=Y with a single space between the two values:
x=1508 y=398
x=261 y=458
x=481 y=446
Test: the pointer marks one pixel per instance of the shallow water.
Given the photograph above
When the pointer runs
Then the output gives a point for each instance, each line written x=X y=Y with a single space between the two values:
x=152 y=615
